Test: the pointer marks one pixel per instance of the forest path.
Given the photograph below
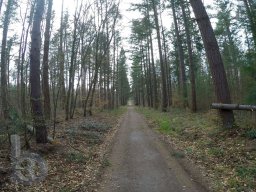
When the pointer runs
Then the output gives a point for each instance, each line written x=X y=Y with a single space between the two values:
x=139 y=162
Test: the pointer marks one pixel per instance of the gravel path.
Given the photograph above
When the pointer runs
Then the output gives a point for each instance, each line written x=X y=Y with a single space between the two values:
x=139 y=162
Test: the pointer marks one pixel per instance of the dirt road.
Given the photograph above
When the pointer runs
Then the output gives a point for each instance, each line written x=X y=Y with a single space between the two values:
x=141 y=163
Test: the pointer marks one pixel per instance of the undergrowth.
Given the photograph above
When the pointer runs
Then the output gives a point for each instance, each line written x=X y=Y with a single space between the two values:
x=229 y=156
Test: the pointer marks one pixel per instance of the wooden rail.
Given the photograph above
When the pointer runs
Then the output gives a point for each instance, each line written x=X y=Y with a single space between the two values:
x=233 y=107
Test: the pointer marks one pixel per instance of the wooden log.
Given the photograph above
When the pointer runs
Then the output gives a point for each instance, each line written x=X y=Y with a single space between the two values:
x=233 y=107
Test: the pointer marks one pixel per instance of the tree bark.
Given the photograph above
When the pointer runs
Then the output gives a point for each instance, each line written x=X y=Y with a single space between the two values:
x=69 y=99
x=215 y=60
x=190 y=58
x=168 y=75
x=61 y=61
x=1 y=3
x=154 y=81
x=182 y=74
x=233 y=107
x=36 y=100
x=4 y=59
x=252 y=20
x=46 y=89
x=23 y=80
x=163 y=76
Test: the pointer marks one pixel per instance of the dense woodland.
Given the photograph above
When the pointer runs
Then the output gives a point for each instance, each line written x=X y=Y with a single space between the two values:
x=81 y=66
x=58 y=73
x=198 y=62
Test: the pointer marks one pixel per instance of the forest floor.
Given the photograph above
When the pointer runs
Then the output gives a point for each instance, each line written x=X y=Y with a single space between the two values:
x=179 y=150
x=75 y=159
x=141 y=162
x=226 y=157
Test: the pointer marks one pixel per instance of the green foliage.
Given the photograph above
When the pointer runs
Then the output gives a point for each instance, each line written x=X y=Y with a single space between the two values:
x=65 y=189
x=117 y=111
x=251 y=96
x=95 y=126
x=216 y=152
x=93 y=137
x=189 y=150
x=123 y=86
x=178 y=154
x=236 y=185
x=105 y=162
x=165 y=125
x=202 y=139
x=14 y=125
x=247 y=172
x=75 y=157
x=251 y=134
x=163 y=121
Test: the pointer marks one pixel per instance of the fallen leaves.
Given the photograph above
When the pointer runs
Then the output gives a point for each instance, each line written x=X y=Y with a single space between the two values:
x=77 y=157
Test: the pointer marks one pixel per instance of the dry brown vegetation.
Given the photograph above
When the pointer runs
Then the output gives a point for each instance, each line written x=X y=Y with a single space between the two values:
x=76 y=157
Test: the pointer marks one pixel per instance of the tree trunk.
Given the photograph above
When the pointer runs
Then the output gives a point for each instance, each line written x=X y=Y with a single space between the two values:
x=61 y=62
x=156 y=100
x=215 y=60
x=69 y=99
x=4 y=58
x=23 y=80
x=114 y=72
x=36 y=98
x=252 y=20
x=154 y=81
x=1 y=3
x=182 y=73
x=190 y=58
x=46 y=89
x=168 y=75
x=164 y=91
x=18 y=61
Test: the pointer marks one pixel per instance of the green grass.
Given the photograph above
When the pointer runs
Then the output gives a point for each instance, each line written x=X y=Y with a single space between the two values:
x=178 y=154
x=162 y=120
x=105 y=162
x=65 y=189
x=216 y=152
x=244 y=171
x=245 y=179
x=117 y=111
x=91 y=125
x=177 y=121
x=251 y=134
x=200 y=136
x=75 y=157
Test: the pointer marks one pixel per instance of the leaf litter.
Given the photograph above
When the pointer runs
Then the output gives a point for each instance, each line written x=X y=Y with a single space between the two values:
x=76 y=158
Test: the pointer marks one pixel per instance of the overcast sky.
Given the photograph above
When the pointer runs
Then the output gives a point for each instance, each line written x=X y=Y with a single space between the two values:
x=124 y=24
x=124 y=6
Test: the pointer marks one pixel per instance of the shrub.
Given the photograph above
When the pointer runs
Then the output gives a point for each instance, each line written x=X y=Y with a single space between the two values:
x=247 y=172
x=95 y=126
x=216 y=151
x=251 y=134
x=75 y=157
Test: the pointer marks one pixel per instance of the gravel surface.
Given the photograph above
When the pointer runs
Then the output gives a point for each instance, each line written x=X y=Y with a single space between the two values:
x=140 y=162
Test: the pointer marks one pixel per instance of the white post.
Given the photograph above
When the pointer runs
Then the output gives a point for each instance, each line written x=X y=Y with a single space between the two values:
x=15 y=147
